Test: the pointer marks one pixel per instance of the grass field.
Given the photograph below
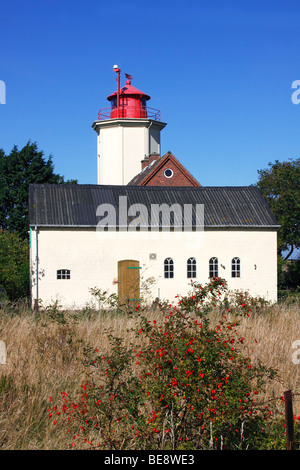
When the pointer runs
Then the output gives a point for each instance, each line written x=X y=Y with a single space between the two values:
x=45 y=352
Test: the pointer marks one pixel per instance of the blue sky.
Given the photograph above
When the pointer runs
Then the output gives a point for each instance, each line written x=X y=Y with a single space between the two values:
x=220 y=72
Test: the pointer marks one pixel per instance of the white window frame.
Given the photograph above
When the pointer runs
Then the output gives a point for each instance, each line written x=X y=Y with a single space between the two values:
x=235 y=267
x=169 y=268
x=191 y=267
x=213 y=267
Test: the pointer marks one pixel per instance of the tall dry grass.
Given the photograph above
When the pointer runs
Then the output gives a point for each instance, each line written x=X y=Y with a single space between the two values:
x=269 y=337
x=45 y=353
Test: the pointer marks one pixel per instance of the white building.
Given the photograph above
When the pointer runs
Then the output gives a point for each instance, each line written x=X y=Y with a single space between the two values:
x=162 y=225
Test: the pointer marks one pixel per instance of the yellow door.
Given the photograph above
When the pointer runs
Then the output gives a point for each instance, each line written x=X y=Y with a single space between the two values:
x=129 y=283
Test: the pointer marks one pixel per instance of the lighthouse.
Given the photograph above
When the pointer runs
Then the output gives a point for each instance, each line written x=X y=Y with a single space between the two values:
x=128 y=132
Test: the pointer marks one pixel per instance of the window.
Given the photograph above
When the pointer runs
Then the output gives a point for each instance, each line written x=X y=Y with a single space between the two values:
x=236 y=267
x=213 y=267
x=113 y=103
x=191 y=268
x=169 y=268
x=168 y=173
x=63 y=274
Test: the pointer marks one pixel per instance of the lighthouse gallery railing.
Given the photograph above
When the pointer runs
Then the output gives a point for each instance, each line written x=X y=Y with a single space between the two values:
x=129 y=112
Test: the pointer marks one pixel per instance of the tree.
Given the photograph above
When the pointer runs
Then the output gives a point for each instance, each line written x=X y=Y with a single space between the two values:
x=17 y=170
x=280 y=186
x=14 y=265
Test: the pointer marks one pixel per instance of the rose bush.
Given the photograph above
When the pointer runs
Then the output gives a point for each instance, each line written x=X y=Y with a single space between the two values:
x=186 y=383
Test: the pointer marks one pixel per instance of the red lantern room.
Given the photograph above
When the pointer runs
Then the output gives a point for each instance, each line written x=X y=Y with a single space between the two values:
x=128 y=102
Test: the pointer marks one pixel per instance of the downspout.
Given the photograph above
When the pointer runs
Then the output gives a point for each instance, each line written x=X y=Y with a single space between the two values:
x=36 y=297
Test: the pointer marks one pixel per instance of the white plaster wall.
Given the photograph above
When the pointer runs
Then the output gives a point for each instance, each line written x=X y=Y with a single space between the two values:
x=154 y=138
x=93 y=259
x=119 y=144
x=110 y=161
x=135 y=147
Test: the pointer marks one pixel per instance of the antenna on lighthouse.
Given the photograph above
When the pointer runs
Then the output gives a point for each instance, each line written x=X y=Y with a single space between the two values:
x=118 y=71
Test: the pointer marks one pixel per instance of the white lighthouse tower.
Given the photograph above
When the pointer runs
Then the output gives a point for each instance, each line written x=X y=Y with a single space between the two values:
x=127 y=132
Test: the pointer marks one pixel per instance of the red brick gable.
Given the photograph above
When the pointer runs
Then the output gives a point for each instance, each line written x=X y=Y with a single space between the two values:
x=164 y=171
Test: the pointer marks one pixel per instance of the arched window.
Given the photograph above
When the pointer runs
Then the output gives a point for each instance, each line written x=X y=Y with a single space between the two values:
x=169 y=268
x=213 y=267
x=63 y=274
x=236 y=267
x=191 y=268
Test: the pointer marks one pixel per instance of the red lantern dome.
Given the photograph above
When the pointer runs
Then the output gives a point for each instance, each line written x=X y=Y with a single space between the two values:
x=133 y=103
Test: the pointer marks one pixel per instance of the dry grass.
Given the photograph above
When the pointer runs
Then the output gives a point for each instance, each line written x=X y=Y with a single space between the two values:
x=269 y=338
x=44 y=358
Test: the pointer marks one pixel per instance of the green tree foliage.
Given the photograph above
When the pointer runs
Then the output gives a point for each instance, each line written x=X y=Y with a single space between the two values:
x=289 y=275
x=14 y=265
x=280 y=186
x=17 y=170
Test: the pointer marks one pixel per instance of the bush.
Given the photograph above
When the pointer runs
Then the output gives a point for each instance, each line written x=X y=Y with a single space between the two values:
x=14 y=266
x=186 y=383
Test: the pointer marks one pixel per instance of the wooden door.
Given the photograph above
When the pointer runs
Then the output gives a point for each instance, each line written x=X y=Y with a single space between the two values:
x=129 y=283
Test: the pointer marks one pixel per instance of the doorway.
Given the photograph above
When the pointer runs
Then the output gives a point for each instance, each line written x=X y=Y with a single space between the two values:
x=129 y=283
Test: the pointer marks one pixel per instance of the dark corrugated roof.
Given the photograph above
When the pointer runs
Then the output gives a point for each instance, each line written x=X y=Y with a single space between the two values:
x=76 y=205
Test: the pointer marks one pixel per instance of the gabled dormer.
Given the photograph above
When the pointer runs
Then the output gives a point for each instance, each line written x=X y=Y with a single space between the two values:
x=163 y=171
